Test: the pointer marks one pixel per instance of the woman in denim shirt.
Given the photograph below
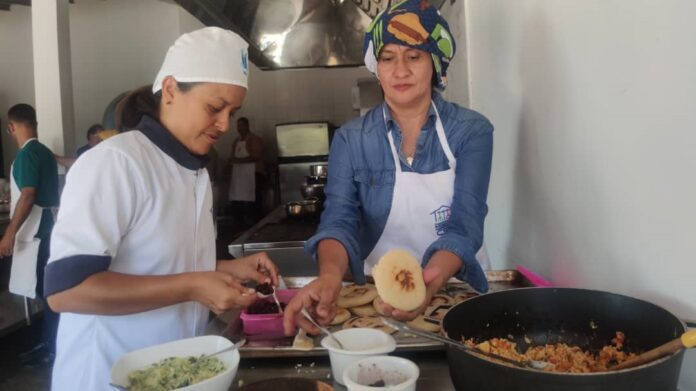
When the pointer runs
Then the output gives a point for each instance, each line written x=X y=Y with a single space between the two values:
x=412 y=173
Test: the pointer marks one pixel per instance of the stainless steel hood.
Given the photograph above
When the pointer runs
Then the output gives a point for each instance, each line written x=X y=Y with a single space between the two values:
x=294 y=33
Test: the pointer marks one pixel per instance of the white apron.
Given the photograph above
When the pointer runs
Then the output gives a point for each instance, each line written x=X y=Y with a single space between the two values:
x=26 y=247
x=243 y=182
x=420 y=207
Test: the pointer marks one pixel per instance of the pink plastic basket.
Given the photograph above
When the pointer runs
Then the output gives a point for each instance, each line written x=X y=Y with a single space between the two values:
x=267 y=326
x=534 y=278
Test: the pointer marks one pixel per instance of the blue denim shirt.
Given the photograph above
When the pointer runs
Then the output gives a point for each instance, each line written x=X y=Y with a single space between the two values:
x=361 y=184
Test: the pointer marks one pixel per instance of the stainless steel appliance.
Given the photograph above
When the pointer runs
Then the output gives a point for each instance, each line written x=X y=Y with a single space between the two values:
x=293 y=33
x=283 y=239
x=291 y=177
x=300 y=146
x=303 y=139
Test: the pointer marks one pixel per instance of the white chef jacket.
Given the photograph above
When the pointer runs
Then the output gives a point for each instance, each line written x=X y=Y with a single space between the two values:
x=138 y=203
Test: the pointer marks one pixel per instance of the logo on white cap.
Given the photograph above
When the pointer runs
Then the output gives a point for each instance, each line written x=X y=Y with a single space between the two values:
x=245 y=62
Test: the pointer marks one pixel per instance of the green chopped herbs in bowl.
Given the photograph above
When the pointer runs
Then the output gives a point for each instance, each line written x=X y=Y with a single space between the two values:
x=174 y=372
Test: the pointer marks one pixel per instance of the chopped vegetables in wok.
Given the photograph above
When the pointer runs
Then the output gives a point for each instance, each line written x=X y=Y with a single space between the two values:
x=564 y=357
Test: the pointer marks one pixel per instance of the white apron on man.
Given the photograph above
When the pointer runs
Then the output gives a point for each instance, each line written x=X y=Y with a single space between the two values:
x=243 y=182
x=420 y=207
x=26 y=245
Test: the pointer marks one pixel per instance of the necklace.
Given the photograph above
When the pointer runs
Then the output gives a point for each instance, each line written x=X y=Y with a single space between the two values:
x=409 y=160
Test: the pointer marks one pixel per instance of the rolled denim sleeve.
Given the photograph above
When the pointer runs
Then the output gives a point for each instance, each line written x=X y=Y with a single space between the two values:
x=341 y=217
x=464 y=229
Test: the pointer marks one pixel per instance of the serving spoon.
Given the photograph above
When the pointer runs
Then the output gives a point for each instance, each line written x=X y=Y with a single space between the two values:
x=272 y=294
x=687 y=340
x=234 y=346
x=533 y=364
x=323 y=329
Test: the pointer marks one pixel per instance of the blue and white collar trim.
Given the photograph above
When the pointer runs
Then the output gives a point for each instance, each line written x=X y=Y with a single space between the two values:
x=165 y=141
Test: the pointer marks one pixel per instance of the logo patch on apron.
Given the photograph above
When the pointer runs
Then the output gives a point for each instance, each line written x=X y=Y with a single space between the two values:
x=441 y=215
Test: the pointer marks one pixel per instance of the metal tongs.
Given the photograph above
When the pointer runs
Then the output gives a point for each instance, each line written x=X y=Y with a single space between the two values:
x=533 y=364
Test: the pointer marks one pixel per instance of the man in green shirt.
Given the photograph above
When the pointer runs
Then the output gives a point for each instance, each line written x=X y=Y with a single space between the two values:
x=34 y=186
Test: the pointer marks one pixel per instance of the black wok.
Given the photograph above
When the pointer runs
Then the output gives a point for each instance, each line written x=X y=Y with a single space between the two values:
x=580 y=317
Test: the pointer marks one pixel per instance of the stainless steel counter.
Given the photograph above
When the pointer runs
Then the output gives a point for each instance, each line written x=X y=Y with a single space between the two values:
x=283 y=238
x=434 y=371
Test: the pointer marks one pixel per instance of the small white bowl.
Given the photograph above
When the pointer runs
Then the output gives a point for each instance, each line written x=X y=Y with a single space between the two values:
x=196 y=346
x=398 y=374
x=359 y=343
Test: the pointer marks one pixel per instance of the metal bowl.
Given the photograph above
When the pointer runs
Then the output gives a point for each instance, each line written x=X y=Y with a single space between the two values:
x=302 y=208
x=315 y=190
x=313 y=180
x=319 y=170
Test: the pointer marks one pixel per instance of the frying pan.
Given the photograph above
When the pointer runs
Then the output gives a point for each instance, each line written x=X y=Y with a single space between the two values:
x=586 y=318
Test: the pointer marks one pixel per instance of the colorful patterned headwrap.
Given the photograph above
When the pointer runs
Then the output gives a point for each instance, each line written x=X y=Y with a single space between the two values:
x=416 y=24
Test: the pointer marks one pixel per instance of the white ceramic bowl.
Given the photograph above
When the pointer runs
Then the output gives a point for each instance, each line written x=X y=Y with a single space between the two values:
x=359 y=343
x=398 y=374
x=139 y=359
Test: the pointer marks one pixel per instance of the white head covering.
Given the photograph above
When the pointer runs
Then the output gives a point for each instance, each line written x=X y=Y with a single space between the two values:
x=211 y=54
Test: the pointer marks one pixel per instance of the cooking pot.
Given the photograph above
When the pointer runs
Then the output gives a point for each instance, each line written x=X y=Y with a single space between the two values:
x=303 y=208
x=312 y=180
x=315 y=190
x=319 y=170
x=586 y=318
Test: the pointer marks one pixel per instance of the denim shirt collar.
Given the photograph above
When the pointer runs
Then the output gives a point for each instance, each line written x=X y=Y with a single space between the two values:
x=391 y=123
x=165 y=141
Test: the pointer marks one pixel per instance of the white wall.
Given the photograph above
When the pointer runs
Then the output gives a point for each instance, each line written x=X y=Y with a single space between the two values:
x=593 y=179
x=115 y=46
x=16 y=71
x=458 y=72
x=118 y=45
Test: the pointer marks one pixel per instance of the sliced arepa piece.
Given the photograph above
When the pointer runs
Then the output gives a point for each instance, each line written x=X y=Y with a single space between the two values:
x=370 y=322
x=303 y=341
x=440 y=299
x=364 y=310
x=354 y=295
x=420 y=323
x=342 y=315
x=377 y=303
x=399 y=280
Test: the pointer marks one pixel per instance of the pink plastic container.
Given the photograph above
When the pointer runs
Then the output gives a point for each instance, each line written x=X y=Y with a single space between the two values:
x=534 y=278
x=267 y=326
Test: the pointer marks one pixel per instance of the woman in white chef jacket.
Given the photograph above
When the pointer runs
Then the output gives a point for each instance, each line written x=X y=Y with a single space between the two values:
x=411 y=174
x=133 y=250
